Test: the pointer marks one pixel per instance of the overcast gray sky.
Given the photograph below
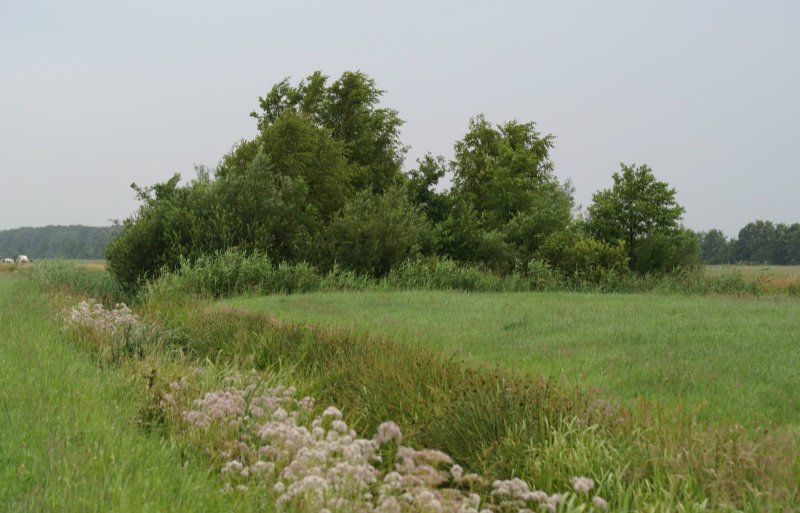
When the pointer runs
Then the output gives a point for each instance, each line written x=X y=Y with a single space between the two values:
x=95 y=95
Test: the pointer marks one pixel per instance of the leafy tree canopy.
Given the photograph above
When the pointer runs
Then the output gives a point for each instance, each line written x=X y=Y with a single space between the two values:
x=349 y=109
x=499 y=169
x=637 y=207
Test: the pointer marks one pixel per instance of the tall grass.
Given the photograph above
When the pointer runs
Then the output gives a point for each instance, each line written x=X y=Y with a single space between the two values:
x=66 y=276
x=234 y=272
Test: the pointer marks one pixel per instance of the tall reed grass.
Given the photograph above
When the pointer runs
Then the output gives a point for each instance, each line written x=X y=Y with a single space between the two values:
x=66 y=276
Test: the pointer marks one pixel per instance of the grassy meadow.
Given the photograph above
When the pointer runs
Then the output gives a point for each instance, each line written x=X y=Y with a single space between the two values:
x=735 y=359
x=656 y=398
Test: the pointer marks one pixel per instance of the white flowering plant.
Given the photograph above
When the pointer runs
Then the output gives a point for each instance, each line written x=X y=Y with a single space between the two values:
x=110 y=333
x=269 y=439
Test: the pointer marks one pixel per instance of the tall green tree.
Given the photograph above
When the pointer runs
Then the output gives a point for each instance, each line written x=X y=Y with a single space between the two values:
x=714 y=247
x=499 y=169
x=172 y=222
x=298 y=149
x=636 y=209
x=756 y=243
x=349 y=109
x=263 y=209
x=421 y=187
x=504 y=186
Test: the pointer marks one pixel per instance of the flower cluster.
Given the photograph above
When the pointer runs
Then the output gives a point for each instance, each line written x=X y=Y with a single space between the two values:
x=318 y=463
x=91 y=314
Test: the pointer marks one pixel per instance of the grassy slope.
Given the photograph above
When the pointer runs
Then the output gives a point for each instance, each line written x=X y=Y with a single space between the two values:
x=730 y=358
x=68 y=440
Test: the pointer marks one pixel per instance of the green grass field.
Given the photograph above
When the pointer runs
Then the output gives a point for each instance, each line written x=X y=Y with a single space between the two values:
x=732 y=359
x=68 y=440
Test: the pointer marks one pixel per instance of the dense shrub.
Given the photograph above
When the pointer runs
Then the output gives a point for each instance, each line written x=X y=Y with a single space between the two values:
x=374 y=233
x=665 y=252
x=438 y=273
x=583 y=257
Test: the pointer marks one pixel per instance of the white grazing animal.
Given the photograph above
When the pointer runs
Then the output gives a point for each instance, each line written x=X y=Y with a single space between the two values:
x=22 y=259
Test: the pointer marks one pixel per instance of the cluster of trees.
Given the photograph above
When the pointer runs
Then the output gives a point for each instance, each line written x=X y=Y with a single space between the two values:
x=759 y=242
x=73 y=242
x=323 y=182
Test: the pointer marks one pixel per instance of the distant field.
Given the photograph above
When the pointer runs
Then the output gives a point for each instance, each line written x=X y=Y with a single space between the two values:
x=774 y=278
x=731 y=358
x=756 y=270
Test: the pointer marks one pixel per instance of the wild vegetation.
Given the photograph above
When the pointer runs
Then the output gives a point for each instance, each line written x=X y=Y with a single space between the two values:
x=421 y=369
x=322 y=183
x=497 y=422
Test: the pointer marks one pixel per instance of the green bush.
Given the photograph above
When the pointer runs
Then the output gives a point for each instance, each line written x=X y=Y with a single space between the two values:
x=441 y=273
x=666 y=252
x=220 y=274
x=375 y=233
x=583 y=257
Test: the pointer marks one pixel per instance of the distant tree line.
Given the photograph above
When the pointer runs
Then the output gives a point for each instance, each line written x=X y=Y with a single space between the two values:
x=323 y=182
x=759 y=242
x=74 y=242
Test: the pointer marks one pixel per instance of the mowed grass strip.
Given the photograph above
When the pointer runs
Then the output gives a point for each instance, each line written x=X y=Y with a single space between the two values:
x=736 y=360
x=68 y=438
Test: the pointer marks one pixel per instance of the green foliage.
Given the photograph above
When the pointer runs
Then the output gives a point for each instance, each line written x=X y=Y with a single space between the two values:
x=462 y=236
x=767 y=243
x=69 y=441
x=321 y=183
x=348 y=109
x=263 y=209
x=220 y=274
x=581 y=256
x=72 y=242
x=444 y=274
x=502 y=423
x=637 y=208
x=373 y=233
x=172 y=222
x=300 y=150
x=506 y=198
x=714 y=247
x=498 y=169
x=551 y=212
x=421 y=184
x=664 y=252
x=59 y=275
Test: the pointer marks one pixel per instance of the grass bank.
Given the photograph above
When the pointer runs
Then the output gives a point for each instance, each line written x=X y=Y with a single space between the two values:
x=496 y=421
x=69 y=441
x=718 y=358
x=502 y=423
